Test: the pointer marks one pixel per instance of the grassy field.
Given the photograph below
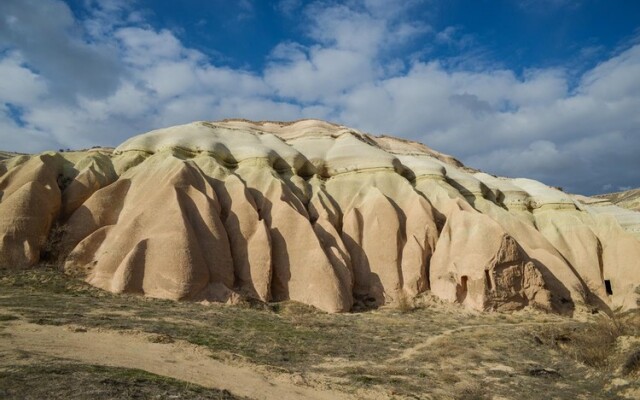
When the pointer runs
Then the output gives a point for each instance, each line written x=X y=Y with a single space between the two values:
x=74 y=381
x=432 y=350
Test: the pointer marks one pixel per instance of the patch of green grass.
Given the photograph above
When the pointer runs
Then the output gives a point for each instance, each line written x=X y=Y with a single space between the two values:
x=48 y=279
x=62 y=380
x=292 y=336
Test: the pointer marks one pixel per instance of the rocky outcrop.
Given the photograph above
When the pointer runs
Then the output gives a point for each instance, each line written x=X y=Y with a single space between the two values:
x=313 y=212
x=473 y=268
x=30 y=201
x=627 y=218
x=629 y=199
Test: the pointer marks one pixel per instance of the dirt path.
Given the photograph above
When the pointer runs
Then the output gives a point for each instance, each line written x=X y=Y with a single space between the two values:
x=179 y=360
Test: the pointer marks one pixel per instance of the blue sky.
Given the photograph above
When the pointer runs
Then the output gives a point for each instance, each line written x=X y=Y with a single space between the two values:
x=546 y=89
x=515 y=34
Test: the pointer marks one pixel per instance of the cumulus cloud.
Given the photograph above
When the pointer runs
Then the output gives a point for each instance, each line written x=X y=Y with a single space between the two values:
x=50 y=39
x=108 y=75
x=352 y=42
x=19 y=85
x=157 y=81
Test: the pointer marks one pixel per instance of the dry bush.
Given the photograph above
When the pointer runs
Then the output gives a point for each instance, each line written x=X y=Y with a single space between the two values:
x=466 y=390
x=163 y=338
x=403 y=302
x=594 y=343
x=51 y=252
x=294 y=308
x=632 y=363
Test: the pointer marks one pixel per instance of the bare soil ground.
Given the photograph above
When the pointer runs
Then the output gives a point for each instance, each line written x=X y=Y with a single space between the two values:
x=60 y=338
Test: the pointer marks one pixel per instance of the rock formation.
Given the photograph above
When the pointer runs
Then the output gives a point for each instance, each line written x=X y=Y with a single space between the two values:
x=629 y=199
x=313 y=212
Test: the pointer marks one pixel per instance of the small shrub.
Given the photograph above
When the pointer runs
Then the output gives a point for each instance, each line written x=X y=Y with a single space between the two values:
x=250 y=303
x=449 y=378
x=403 y=303
x=294 y=308
x=466 y=390
x=51 y=252
x=632 y=363
x=161 y=338
x=594 y=344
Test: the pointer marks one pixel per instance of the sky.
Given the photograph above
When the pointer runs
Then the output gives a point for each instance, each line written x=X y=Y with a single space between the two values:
x=544 y=89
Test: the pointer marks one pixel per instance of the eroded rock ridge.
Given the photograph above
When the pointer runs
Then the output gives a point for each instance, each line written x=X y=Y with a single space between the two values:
x=313 y=212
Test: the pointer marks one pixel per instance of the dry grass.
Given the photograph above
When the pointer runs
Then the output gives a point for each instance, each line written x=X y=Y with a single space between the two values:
x=434 y=351
x=469 y=391
x=595 y=343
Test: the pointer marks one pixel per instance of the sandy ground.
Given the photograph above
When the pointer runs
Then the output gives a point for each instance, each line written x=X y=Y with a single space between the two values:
x=179 y=360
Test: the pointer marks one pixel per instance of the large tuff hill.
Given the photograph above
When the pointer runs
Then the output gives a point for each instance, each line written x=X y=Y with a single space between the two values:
x=313 y=212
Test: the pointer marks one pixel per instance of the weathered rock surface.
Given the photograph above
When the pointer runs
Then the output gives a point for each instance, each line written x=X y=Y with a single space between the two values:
x=30 y=200
x=313 y=212
x=624 y=207
x=629 y=199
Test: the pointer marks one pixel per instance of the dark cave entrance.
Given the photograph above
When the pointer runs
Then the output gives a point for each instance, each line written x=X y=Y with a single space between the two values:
x=607 y=285
x=462 y=289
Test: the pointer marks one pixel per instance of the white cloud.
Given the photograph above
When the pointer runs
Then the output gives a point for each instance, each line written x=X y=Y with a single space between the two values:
x=19 y=85
x=615 y=78
x=287 y=7
x=351 y=44
x=344 y=28
x=143 y=47
x=49 y=38
x=318 y=74
x=22 y=138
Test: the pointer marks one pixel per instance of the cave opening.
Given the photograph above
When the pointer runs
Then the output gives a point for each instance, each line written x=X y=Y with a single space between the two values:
x=607 y=285
x=487 y=277
x=462 y=289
